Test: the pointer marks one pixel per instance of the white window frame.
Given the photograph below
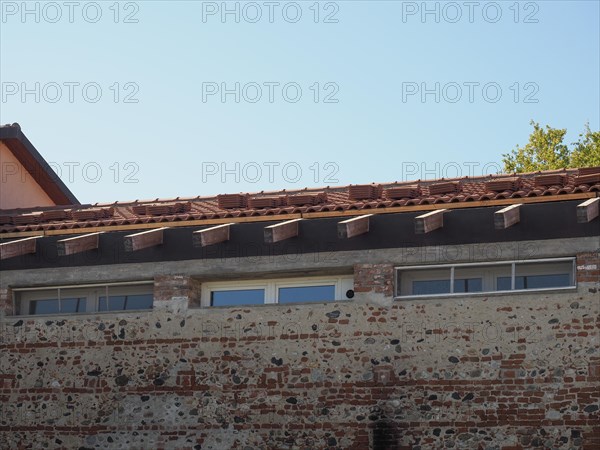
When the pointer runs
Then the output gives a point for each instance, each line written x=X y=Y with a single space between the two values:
x=271 y=287
x=487 y=274
x=22 y=297
x=208 y=288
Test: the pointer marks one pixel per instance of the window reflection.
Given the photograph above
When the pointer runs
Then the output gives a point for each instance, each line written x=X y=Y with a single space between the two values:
x=52 y=306
x=429 y=287
x=302 y=294
x=534 y=281
x=237 y=297
x=125 y=302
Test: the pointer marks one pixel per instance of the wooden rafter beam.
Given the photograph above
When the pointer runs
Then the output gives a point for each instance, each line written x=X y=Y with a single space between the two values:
x=282 y=231
x=145 y=239
x=588 y=210
x=507 y=217
x=212 y=235
x=353 y=227
x=78 y=244
x=433 y=220
x=18 y=248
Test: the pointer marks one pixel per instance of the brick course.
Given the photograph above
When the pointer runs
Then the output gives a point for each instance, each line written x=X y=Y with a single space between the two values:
x=374 y=278
x=168 y=286
x=588 y=267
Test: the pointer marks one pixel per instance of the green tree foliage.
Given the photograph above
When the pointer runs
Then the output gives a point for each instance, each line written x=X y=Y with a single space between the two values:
x=586 y=152
x=546 y=150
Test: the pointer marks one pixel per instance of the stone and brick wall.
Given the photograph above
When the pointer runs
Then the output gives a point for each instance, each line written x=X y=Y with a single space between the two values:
x=496 y=372
x=168 y=287
x=6 y=302
x=588 y=267
x=374 y=279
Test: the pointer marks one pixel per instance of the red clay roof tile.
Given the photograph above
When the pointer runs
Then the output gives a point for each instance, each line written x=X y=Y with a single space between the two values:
x=589 y=179
x=364 y=192
x=444 y=187
x=503 y=184
x=549 y=180
x=397 y=193
x=327 y=199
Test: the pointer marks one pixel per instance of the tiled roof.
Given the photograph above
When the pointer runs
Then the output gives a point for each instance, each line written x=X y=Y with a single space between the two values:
x=326 y=199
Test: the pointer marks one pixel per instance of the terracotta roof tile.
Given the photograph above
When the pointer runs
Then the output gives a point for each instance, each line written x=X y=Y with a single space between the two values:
x=444 y=187
x=364 y=192
x=325 y=199
x=232 y=200
x=409 y=191
x=26 y=219
x=266 y=202
x=589 y=179
x=588 y=171
x=549 y=180
x=307 y=199
x=92 y=213
x=503 y=184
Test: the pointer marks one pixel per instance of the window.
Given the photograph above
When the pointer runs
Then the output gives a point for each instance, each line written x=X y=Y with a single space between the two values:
x=84 y=298
x=471 y=278
x=295 y=290
x=236 y=297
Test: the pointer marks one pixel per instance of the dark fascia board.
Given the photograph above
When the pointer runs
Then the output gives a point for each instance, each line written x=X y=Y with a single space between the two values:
x=36 y=165
x=319 y=237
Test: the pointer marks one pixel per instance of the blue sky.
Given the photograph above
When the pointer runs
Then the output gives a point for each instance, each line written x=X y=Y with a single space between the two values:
x=127 y=104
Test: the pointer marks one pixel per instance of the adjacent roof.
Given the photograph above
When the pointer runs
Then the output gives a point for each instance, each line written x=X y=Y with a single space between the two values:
x=36 y=165
x=326 y=201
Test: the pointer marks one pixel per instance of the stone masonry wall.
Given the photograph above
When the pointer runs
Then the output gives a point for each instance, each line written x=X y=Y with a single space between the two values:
x=497 y=372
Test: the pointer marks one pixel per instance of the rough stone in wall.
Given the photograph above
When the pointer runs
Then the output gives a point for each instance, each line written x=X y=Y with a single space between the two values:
x=498 y=372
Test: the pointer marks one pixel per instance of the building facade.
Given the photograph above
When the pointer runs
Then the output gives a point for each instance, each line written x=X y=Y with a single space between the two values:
x=434 y=314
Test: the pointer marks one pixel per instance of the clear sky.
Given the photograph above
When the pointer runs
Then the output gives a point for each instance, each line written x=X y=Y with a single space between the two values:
x=146 y=99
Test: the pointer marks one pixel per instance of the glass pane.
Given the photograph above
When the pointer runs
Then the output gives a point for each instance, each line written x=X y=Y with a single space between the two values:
x=468 y=285
x=237 y=297
x=429 y=287
x=49 y=306
x=139 y=301
x=544 y=275
x=424 y=281
x=306 y=294
x=125 y=302
x=102 y=304
x=547 y=281
x=72 y=305
x=503 y=284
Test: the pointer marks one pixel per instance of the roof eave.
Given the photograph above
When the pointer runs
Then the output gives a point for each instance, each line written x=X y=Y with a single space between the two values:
x=36 y=165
